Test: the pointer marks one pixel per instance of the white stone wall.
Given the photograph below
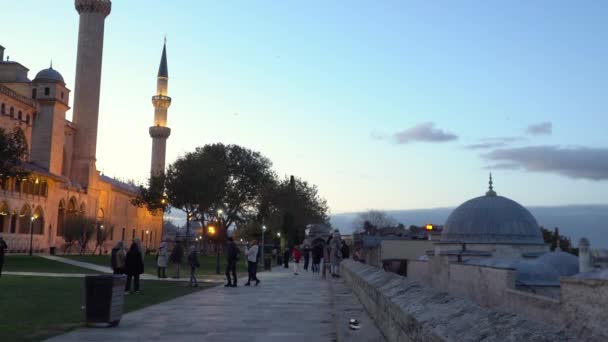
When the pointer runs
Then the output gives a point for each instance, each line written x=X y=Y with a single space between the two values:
x=585 y=308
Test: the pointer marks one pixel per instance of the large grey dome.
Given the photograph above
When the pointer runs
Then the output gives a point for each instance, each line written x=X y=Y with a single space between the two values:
x=491 y=219
x=49 y=75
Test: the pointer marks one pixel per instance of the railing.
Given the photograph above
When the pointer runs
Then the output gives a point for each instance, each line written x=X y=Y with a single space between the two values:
x=13 y=94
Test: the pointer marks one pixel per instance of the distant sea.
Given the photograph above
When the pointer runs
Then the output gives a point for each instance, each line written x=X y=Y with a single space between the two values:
x=574 y=221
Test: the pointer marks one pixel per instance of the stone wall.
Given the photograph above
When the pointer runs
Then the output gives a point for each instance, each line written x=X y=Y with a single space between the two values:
x=585 y=308
x=484 y=285
x=406 y=311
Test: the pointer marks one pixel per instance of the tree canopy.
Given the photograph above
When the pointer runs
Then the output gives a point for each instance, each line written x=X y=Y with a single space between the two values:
x=13 y=151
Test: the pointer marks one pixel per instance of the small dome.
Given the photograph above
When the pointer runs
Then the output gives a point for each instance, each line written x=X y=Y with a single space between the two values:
x=49 y=75
x=492 y=219
x=565 y=264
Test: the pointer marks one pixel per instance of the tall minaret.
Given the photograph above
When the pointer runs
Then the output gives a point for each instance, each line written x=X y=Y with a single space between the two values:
x=86 y=88
x=160 y=132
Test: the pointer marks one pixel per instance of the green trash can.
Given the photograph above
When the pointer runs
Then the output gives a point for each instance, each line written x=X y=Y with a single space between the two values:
x=104 y=299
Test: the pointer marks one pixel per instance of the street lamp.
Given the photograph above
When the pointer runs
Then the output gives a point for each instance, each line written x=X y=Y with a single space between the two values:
x=32 y=234
x=147 y=238
x=263 y=230
x=99 y=233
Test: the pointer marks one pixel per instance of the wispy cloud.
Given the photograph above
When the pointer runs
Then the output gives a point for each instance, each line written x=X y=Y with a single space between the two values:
x=424 y=132
x=495 y=142
x=543 y=128
x=573 y=162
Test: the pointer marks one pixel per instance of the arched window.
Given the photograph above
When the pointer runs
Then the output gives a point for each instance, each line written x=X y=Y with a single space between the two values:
x=12 y=112
x=24 y=219
x=19 y=115
x=82 y=209
x=47 y=91
x=60 y=217
x=34 y=93
x=71 y=212
x=3 y=108
x=27 y=119
x=14 y=222
x=4 y=217
x=38 y=223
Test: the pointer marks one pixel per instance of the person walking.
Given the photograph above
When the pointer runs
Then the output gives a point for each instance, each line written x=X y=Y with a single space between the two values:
x=134 y=268
x=194 y=264
x=232 y=256
x=177 y=257
x=3 y=248
x=252 y=263
x=286 y=258
x=306 y=257
x=317 y=254
x=117 y=258
x=345 y=250
x=161 y=260
x=335 y=253
x=297 y=255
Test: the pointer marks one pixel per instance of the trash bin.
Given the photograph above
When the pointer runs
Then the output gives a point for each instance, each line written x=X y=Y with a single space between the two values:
x=267 y=263
x=104 y=299
x=52 y=250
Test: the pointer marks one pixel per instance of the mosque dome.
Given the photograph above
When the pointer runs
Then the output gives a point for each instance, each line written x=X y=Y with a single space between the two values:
x=565 y=264
x=491 y=219
x=49 y=75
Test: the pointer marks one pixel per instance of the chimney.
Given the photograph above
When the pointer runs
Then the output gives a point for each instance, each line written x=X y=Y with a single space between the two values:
x=1 y=53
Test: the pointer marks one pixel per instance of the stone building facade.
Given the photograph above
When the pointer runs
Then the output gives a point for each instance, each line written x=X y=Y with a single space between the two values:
x=64 y=180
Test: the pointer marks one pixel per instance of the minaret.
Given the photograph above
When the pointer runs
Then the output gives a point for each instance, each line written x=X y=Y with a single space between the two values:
x=160 y=132
x=86 y=88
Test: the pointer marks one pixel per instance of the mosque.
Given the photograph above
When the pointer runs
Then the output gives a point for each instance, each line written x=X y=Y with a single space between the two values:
x=63 y=180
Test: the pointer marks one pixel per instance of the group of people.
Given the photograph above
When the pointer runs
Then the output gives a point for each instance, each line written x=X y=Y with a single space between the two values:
x=232 y=255
x=130 y=263
x=336 y=249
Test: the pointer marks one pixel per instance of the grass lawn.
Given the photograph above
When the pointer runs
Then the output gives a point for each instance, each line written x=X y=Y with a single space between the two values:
x=207 y=264
x=26 y=263
x=34 y=308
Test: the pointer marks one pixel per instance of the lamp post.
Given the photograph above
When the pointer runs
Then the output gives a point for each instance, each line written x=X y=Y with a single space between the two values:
x=32 y=218
x=263 y=230
x=163 y=201
x=99 y=234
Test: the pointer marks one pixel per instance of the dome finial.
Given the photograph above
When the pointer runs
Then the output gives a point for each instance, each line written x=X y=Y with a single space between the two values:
x=491 y=191
x=51 y=67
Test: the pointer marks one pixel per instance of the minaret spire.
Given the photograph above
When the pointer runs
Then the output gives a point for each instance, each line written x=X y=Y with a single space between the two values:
x=491 y=191
x=160 y=132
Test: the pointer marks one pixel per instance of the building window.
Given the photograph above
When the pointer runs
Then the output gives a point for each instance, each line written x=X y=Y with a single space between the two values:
x=123 y=234
x=62 y=95
x=3 y=108
x=27 y=119
x=12 y=112
x=112 y=233
x=20 y=115
x=47 y=91
x=142 y=236
x=34 y=93
x=133 y=234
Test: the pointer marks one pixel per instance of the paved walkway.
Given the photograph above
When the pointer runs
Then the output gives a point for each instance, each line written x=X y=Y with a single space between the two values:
x=283 y=308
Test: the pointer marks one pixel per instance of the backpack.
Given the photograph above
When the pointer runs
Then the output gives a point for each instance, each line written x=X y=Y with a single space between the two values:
x=114 y=261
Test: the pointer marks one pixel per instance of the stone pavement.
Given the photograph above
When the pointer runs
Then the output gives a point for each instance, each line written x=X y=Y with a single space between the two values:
x=283 y=308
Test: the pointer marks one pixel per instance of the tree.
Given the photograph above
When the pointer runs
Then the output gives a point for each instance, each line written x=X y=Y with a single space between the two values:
x=554 y=239
x=78 y=230
x=13 y=151
x=376 y=218
x=291 y=204
x=152 y=196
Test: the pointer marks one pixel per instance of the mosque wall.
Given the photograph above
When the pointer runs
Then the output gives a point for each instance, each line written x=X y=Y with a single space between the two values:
x=584 y=304
x=484 y=285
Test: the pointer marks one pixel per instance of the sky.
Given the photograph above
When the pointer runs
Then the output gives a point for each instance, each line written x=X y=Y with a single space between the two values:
x=381 y=104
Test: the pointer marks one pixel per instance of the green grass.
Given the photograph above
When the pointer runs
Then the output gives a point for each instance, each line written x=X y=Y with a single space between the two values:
x=25 y=263
x=207 y=264
x=34 y=308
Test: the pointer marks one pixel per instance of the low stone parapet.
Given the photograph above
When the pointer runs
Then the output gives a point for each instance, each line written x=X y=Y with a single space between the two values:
x=406 y=311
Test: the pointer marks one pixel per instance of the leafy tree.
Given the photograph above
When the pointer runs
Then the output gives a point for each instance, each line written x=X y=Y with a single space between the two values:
x=13 y=151
x=78 y=230
x=554 y=239
x=292 y=204
x=152 y=196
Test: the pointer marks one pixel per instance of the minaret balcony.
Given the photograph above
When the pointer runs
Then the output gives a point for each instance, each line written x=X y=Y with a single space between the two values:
x=161 y=101
x=160 y=132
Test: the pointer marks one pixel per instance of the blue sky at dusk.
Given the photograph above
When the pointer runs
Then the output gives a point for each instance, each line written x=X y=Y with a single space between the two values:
x=382 y=104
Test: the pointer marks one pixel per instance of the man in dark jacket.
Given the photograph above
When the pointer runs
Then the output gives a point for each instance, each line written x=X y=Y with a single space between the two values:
x=3 y=248
x=134 y=267
x=345 y=251
x=232 y=256
x=306 y=253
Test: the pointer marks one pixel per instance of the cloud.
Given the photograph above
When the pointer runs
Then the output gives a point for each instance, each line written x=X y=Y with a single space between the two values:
x=543 y=128
x=573 y=162
x=496 y=142
x=424 y=132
